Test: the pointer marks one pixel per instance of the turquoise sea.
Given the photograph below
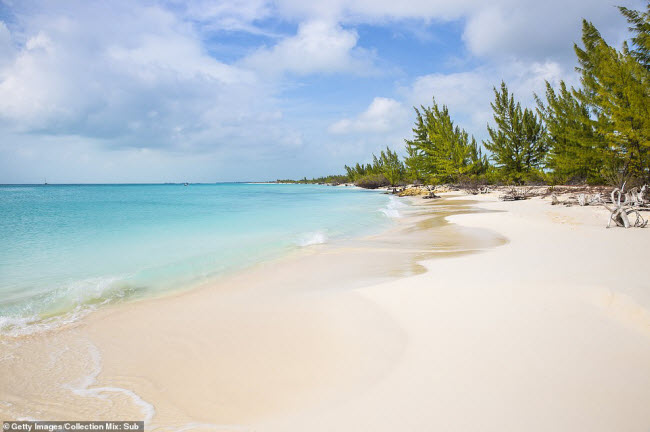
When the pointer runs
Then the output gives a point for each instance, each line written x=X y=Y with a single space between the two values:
x=67 y=249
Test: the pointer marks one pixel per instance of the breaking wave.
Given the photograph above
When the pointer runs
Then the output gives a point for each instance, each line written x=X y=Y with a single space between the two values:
x=312 y=238
x=392 y=209
x=64 y=305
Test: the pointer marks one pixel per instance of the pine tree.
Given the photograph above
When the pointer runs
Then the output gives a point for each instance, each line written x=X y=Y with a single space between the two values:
x=518 y=143
x=478 y=162
x=441 y=151
x=358 y=171
x=576 y=152
x=418 y=164
x=390 y=165
x=616 y=85
x=415 y=163
x=387 y=168
x=640 y=26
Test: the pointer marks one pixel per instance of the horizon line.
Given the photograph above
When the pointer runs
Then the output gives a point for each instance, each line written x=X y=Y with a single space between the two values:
x=134 y=183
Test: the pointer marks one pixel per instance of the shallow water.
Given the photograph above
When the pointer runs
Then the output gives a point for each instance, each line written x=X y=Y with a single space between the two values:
x=68 y=248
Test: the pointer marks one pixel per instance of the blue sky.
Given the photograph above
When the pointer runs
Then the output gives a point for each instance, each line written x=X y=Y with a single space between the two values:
x=203 y=91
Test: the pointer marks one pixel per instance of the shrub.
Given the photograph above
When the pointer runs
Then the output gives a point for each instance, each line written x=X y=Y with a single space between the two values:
x=372 y=181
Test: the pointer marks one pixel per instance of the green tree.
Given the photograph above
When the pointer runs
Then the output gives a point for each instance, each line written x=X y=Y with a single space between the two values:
x=478 y=162
x=358 y=171
x=640 y=27
x=415 y=163
x=518 y=142
x=386 y=169
x=616 y=86
x=439 y=150
x=576 y=151
x=390 y=165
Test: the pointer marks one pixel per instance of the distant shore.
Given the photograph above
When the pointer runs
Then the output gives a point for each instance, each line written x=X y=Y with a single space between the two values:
x=471 y=314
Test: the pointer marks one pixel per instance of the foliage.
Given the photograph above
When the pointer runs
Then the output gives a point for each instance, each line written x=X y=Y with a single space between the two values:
x=387 y=166
x=519 y=141
x=440 y=151
x=576 y=152
x=616 y=86
x=372 y=181
x=640 y=27
x=358 y=171
x=331 y=179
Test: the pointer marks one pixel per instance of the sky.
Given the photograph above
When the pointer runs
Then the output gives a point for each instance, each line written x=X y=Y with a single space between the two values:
x=126 y=91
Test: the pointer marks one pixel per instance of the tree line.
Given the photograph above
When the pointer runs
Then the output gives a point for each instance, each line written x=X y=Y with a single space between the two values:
x=596 y=133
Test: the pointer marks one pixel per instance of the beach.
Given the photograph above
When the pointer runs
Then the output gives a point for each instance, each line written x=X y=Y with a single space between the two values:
x=469 y=314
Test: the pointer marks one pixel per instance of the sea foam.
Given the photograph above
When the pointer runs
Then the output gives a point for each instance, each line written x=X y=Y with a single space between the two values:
x=83 y=387
x=312 y=238
x=392 y=209
x=64 y=305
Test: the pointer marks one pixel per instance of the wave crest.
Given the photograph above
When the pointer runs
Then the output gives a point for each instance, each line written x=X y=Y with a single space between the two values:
x=64 y=305
x=312 y=238
x=392 y=209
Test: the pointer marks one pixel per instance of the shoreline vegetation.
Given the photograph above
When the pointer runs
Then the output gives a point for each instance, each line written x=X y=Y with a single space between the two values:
x=595 y=134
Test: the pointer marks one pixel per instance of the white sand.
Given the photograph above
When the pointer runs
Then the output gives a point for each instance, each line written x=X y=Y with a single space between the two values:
x=549 y=332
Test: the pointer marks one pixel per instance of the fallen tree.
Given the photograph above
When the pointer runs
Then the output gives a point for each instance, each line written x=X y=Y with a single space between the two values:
x=626 y=206
x=514 y=193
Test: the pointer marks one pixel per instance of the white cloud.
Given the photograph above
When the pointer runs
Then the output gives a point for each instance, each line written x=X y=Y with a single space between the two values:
x=228 y=15
x=318 y=47
x=149 y=83
x=367 y=10
x=537 y=29
x=383 y=115
x=531 y=29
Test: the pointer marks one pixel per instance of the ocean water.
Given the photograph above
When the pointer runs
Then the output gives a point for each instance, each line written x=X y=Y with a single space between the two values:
x=68 y=249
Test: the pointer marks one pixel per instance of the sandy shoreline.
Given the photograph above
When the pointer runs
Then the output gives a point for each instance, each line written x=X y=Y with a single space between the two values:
x=550 y=331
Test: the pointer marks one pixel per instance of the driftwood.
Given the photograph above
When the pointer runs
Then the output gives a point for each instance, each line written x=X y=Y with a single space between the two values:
x=622 y=212
x=580 y=199
x=478 y=190
x=637 y=197
x=554 y=200
x=516 y=194
x=585 y=199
